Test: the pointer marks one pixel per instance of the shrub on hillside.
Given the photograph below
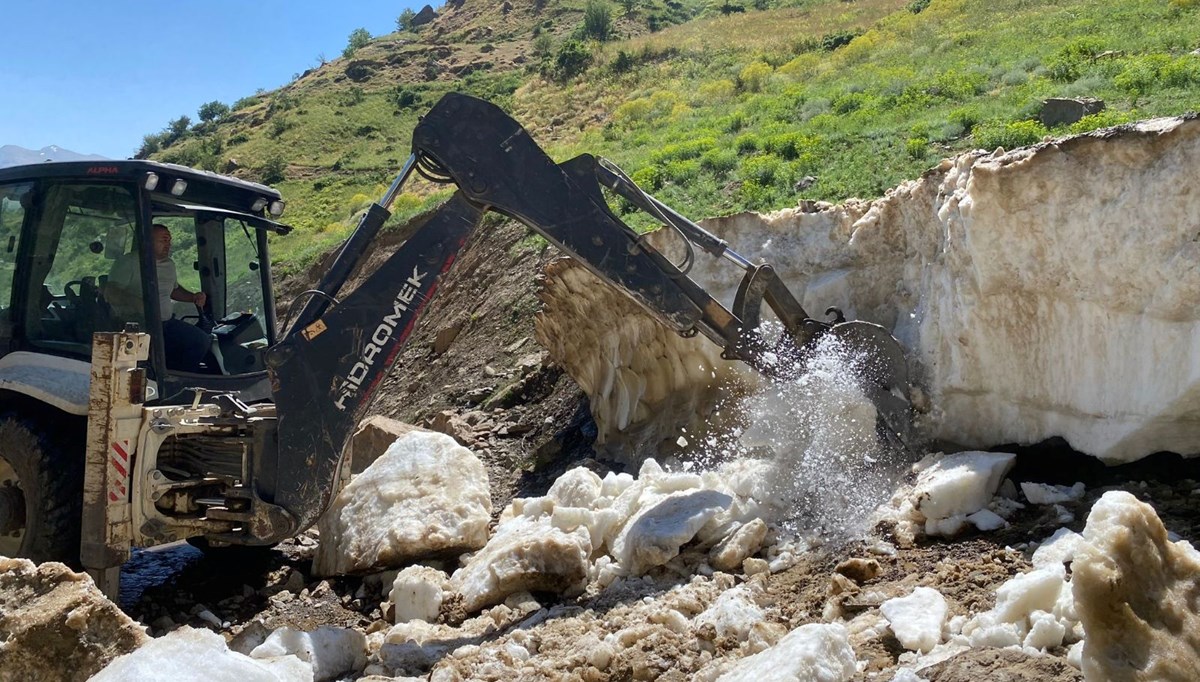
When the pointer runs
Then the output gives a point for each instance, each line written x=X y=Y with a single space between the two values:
x=789 y=146
x=1104 y=119
x=1068 y=63
x=754 y=76
x=746 y=144
x=1008 y=134
x=572 y=59
x=916 y=6
x=1146 y=73
x=716 y=90
x=624 y=62
x=832 y=41
x=246 y=102
x=359 y=38
x=759 y=169
x=404 y=21
x=916 y=147
x=597 y=20
x=689 y=149
x=719 y=161
x=273 y=170
x=405 y=98
x=649 y=178
x=965 y=117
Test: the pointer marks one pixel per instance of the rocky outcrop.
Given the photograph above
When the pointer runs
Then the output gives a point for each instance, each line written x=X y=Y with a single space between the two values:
x=56 y=625
x=1048 y=291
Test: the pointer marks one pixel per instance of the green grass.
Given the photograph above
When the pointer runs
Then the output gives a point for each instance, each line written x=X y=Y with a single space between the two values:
x=727 y=113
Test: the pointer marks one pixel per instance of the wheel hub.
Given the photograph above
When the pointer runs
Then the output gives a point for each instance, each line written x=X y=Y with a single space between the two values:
x=12 y=510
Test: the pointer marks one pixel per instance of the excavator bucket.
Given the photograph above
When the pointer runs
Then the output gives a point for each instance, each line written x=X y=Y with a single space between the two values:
x=879 y=364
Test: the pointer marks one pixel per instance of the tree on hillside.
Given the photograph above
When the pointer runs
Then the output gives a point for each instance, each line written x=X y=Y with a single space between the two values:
x=175 y=130
x=359 y=38
x=404 y=21
x=597 y=20
x=151 y=143
x=212 y=111
x=629 y=6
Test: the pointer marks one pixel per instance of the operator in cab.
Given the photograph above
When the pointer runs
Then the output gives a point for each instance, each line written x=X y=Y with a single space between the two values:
x=185 y=345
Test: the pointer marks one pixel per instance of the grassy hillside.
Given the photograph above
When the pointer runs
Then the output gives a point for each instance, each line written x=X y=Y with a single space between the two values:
x=715 y=110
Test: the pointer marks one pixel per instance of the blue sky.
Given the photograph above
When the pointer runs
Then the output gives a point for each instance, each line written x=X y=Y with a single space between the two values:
x=95 y=76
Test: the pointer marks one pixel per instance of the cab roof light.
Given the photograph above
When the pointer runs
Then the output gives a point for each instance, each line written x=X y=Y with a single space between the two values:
x=276 y=208
x=259 y=204
x=179 y=187
x=151 y=182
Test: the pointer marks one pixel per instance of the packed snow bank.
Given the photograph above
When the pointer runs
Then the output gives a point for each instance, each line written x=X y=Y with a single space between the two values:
x=1136 y=593
x=990 y=269
x=426 y=495
x=55 y=624
x=191 y=655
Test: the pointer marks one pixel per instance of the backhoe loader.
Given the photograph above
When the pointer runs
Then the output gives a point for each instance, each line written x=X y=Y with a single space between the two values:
x=105 y=445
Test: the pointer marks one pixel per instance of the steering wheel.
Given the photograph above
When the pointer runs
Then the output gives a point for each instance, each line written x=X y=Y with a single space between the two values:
x=204 y=320
x=75 y=298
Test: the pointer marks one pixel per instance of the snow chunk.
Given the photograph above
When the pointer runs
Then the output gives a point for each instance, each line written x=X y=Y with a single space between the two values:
x=654 y=535
x=1031 y=610
x=417 y=594
x=524 y=555
x=55 y=624
x=1135 y=592
x=816 y=652
x=742 y=543
x=1036 y=590
x=1044 y=493
x=330 y=651
x=191 y=655
x=578 y=487
x=425 y=495
x=960 y=484
x=986 y=520
x=1059 y=548
x=917 y=619
x=733 y=614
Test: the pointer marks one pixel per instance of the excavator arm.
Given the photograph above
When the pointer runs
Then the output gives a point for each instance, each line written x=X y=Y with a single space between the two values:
x=327 y=368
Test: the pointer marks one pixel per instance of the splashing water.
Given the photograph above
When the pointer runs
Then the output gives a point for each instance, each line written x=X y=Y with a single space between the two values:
x=827 y=469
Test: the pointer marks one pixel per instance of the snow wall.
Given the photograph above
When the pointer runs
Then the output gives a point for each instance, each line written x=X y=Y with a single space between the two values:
x=1047 y=291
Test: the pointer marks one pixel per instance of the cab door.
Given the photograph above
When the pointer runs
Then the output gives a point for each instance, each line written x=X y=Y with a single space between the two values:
x=15 y=197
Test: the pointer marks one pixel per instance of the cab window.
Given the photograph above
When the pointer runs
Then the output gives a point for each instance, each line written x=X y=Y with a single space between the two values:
x=82 y=234
x=14 y=198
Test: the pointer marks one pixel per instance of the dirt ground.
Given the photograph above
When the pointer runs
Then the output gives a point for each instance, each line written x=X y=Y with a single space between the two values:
x=473 y=370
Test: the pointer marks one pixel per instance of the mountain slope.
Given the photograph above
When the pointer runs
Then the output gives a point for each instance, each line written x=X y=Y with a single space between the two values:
x=12 y=155
x=727 y=111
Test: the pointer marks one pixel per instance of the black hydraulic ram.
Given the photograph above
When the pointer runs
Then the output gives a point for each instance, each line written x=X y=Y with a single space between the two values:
x=327 y=368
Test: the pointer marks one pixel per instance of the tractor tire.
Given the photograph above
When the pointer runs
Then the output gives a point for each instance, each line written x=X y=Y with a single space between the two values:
x=41 y=488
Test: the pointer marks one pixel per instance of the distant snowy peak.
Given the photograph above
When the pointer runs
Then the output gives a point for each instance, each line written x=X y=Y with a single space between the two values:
x=12 y=155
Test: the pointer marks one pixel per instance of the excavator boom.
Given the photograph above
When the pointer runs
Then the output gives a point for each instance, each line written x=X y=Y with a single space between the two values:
x=325 y=371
